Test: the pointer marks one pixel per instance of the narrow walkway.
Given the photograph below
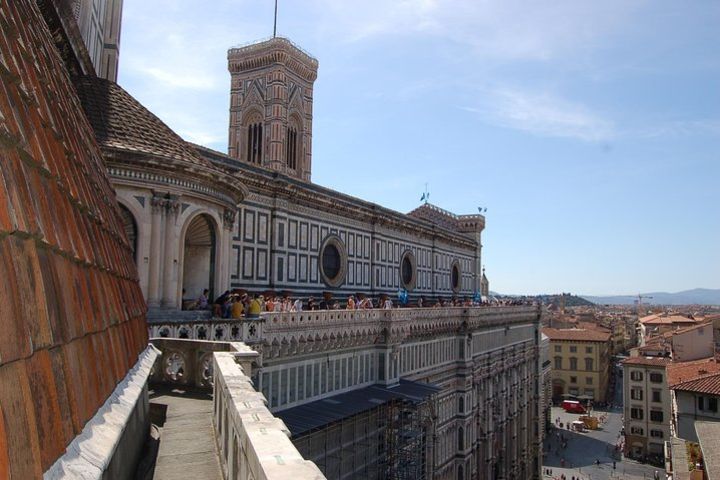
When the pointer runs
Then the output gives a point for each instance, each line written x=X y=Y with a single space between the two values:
x=187 y=443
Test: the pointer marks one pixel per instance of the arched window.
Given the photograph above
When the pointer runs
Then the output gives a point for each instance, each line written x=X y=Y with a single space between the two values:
x=291 y=146
x=291 y=153
x=461 y=439
x=461 y=404
x=254 y=141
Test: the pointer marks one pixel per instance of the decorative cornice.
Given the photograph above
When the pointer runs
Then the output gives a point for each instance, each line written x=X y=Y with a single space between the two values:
x=276 y=50
x=147 y=177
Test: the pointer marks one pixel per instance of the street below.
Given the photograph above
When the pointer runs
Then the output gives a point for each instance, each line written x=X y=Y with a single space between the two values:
x=592 y=454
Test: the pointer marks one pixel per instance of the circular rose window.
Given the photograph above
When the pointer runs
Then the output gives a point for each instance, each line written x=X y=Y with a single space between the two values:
x=408 y=270
x=455 y=276
x=333 y=261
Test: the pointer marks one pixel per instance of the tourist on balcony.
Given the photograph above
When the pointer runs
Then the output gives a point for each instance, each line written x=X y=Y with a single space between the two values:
x=388 y=304
x=236 y=310
x=351 y=303
x=270 y=305
x=297 y=306
x=219 y=303
x=202 y=301
x=312 y=305
x=227 y=306
x=255 y=307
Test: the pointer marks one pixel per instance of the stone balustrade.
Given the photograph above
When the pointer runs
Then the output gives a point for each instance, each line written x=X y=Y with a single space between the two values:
x=253 y=444
x=189 y=363
x=392 y=325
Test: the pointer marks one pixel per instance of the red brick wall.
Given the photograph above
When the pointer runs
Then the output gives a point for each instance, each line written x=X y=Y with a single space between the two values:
x=72 y=316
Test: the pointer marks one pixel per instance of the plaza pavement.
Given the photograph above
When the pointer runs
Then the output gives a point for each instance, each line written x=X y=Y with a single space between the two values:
x=583 y=449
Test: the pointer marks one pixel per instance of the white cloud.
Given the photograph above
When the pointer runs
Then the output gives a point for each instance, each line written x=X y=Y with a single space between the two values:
x=543 y=114
x=499 y=29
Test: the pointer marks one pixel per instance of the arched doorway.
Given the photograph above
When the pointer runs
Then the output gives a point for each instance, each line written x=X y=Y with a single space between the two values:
x=131 y=229
x=199 y=257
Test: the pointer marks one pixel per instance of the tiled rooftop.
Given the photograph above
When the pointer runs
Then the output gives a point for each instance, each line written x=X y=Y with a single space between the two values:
x=71 y=309
x=122 y=123
x=662 y=319
x=576 y=334
x=682 y=372
x=648 y=361
x=707 y=384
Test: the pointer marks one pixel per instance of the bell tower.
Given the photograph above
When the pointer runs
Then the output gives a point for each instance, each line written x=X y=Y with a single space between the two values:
x=271 y=99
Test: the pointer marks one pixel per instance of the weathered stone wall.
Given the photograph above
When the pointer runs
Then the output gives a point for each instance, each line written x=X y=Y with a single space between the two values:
x=71 y=313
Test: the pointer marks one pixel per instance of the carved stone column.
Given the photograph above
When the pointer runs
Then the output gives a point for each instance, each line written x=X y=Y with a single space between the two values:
x=170 y=265
x=156 y=223
x=223 y=247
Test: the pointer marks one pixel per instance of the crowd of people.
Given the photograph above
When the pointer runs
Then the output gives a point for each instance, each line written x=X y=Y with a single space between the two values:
x=238 y=303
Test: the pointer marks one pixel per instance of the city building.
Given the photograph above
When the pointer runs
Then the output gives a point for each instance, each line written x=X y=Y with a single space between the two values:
x=660 y=323
x=134 y=211
x=695 y=390
x=580 y=363
x=647 y=406
x=546 y=389
x=692 y=343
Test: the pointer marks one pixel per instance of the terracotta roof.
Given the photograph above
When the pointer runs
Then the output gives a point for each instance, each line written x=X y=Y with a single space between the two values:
x=72 y=313
x=122 y=123
x=681 y=372
x=576 y=334
x=666 y=319
x=706 y=384
x=649 y=361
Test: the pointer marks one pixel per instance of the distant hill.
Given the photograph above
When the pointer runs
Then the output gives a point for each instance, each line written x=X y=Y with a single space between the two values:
x=696 y=296
x=552 y=299
x=570 y=300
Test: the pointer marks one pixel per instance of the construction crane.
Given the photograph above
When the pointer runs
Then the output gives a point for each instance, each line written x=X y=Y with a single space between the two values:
x=638 y=301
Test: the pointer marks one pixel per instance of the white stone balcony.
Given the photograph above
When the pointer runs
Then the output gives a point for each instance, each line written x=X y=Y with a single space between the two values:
x=229 y=434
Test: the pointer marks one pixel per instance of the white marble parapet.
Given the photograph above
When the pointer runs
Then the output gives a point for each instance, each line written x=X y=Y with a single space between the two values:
x=393 y=324
x=253 y=444
x=117 y=431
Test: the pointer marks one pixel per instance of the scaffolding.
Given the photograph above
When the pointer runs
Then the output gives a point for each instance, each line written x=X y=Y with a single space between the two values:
x=408 y=439
x=375 y=433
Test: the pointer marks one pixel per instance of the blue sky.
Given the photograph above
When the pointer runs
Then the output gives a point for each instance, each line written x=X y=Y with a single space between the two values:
x=589 y=130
